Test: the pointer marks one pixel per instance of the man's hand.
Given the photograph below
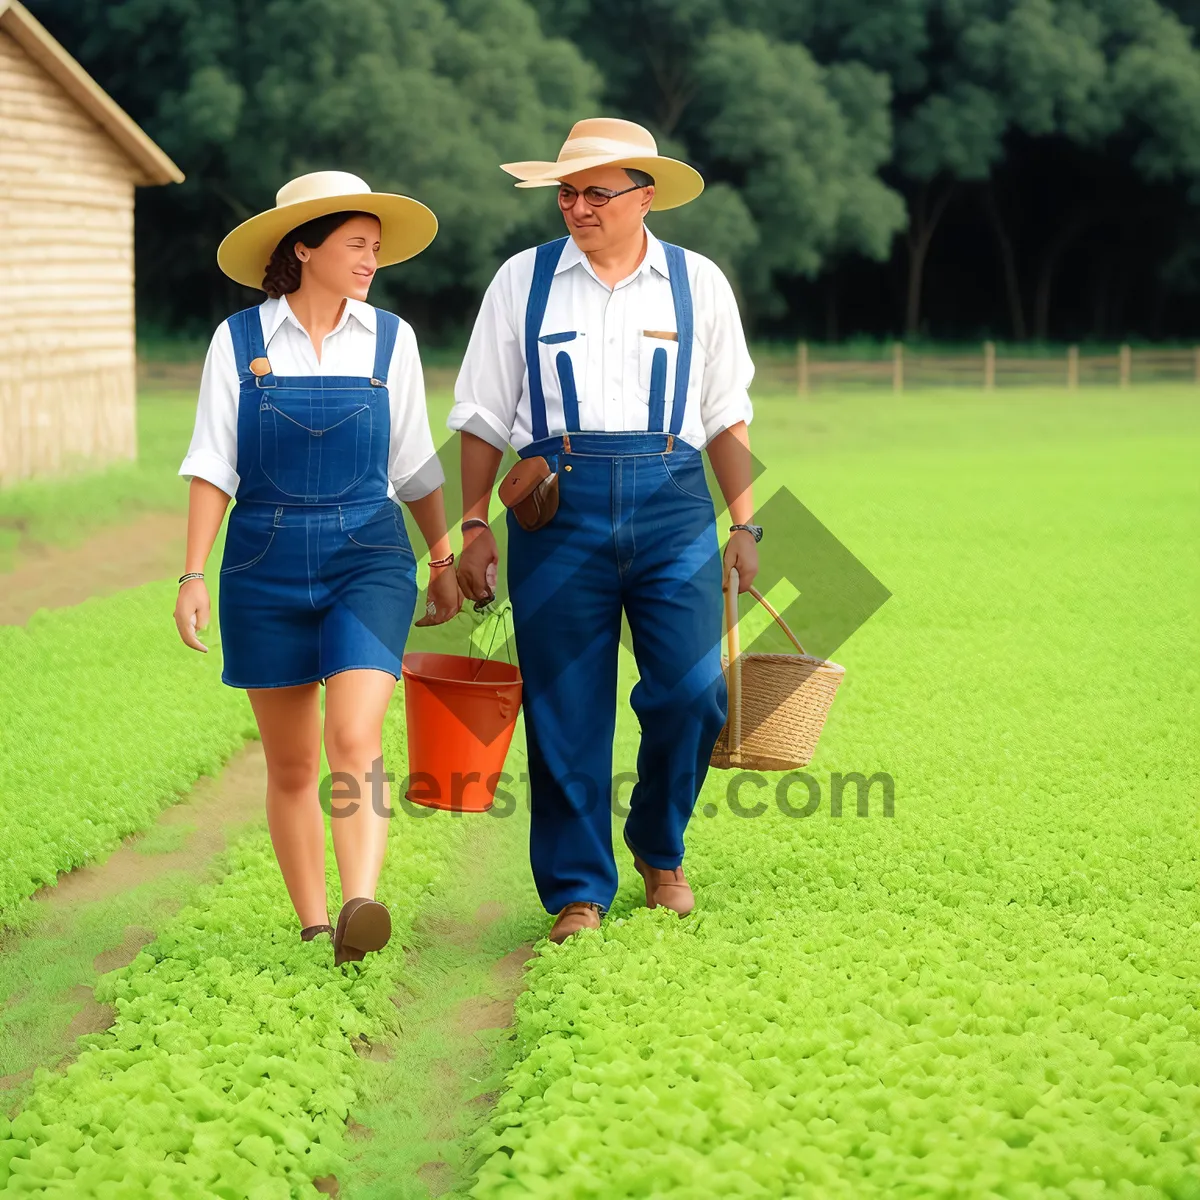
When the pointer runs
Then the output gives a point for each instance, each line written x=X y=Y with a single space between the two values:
x=478 y=564
x=443 y=599
x=741 y=552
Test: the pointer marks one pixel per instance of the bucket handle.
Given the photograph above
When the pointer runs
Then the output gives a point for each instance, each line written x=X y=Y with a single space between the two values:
x=498 y=618
x=733 y=652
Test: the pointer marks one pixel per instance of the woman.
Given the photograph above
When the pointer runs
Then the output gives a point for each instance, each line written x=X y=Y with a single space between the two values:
x=312 y=415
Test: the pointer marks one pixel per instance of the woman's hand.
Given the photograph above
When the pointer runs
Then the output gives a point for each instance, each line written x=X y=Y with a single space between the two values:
x=192 y=611
x=478 y=564
x=443 y=599
x=741 y=551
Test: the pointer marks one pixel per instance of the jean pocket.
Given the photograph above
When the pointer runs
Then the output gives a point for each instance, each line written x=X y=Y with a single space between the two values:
x=686 y=472
x=245 y=547
x=382 y=530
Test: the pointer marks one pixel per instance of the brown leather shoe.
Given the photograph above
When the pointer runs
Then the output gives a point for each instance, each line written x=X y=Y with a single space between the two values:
x=664 y=889
x=315 y=931
x=579 y=914
x=363 y=925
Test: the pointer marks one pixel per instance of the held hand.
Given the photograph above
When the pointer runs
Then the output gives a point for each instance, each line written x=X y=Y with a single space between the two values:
x=192 y=612
x=443 y=599
x=478 y=565
x=741 y=552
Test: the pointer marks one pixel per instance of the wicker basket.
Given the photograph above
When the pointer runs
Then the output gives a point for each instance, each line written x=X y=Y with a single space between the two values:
x=782 y=700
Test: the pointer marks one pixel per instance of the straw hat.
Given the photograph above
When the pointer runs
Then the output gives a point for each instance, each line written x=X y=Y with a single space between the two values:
x=406 y=225
x=607 y=141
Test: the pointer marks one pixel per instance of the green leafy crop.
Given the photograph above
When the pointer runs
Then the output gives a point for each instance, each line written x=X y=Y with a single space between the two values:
x=105 y=718
x=231 y=1067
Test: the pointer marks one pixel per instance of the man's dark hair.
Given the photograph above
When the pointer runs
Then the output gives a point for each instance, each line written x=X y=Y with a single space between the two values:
x=640 y=178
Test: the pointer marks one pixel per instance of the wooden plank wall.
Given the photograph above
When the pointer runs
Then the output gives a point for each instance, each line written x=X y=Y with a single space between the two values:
x=67 y=382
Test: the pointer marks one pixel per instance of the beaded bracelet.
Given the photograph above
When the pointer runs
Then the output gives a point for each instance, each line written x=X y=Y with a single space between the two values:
x=190 y=575
x=442 y=562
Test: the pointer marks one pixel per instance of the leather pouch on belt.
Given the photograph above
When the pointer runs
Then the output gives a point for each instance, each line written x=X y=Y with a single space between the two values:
x=530 y=489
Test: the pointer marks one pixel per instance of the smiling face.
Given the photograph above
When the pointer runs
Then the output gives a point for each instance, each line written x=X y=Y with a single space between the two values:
x=620 y=220
x=345 y=262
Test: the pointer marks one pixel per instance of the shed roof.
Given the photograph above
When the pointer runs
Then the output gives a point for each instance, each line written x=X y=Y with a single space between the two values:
x=33 y=37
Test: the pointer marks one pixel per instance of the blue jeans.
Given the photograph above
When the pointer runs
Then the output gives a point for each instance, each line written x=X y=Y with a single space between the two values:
x=635 y=531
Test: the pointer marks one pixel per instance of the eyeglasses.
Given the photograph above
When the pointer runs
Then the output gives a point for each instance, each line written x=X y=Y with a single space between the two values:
x=596 y=197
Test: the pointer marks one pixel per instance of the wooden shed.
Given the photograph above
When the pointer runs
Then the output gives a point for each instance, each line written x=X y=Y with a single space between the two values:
x=69 y=161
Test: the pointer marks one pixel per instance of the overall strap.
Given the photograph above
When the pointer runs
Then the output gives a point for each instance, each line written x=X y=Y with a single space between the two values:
x=387 y=327
x=681 y=293
x=246 y=328
x=539 y=295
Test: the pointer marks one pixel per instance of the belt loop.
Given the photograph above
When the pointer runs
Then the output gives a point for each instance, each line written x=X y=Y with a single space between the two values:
x=670 y=443
x=566 y=443
x=278 y=516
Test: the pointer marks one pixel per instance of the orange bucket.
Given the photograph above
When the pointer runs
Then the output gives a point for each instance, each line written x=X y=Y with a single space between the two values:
x=461 y=713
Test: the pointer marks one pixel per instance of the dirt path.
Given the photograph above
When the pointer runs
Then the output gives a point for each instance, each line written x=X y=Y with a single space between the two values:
x=148 y=548
x=98 y=918
x=431 y=1091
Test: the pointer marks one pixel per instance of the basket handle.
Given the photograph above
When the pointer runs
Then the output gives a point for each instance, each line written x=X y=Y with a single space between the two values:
x=734 y=653
x=778 y=619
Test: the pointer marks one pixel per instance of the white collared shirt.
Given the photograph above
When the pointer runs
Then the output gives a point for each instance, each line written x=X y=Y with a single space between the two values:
x=349 y=349
x=611 y=353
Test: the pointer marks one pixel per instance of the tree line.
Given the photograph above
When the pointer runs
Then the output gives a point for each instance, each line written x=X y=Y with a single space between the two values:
x=950 y=168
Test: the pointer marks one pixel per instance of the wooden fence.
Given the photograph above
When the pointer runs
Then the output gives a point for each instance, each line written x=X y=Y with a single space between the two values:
x=812 y=371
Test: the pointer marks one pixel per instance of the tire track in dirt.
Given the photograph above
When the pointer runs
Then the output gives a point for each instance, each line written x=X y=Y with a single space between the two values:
x=437 y=1084
x=123 y=556
x=96 y=919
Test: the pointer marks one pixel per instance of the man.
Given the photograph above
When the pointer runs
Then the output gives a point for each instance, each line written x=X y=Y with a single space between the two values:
x=615 y=357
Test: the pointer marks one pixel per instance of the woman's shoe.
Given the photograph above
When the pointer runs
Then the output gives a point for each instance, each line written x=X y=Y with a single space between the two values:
x=363 y=925
x=312 y=931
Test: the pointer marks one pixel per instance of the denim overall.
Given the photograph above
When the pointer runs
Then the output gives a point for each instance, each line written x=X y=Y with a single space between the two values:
x=318 y=575
x=635 y=531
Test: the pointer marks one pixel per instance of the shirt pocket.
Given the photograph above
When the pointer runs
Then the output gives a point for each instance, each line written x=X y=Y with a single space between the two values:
x=658 y=354
x=562 y=357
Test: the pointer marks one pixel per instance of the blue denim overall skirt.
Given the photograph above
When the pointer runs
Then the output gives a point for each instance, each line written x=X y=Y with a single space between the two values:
x=634 y=534
x=318 y=575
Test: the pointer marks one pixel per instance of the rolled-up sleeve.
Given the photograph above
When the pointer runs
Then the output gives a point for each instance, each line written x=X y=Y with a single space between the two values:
x=414 y=469
x=492 y=375
x=728 y=367
x=212 y=454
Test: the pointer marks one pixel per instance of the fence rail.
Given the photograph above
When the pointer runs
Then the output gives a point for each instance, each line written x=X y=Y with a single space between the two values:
x=810 y=372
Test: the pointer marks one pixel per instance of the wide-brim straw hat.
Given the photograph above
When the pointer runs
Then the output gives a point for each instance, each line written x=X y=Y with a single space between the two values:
x=406 y=225
x=609 y=142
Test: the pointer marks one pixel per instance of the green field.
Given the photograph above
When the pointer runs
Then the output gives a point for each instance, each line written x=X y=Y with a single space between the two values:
x=991 y=992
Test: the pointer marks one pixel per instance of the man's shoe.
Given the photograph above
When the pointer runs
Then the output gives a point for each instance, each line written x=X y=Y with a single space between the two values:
x=664 y=889
x=363 y=925
x=579 y=914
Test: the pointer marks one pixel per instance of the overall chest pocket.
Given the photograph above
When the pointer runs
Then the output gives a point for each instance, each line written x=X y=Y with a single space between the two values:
x=314 y=449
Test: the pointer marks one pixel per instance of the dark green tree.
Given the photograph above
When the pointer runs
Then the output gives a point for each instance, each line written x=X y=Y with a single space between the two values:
x=424 y=97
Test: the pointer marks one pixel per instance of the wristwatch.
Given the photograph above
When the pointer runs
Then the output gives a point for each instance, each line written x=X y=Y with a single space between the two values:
x=755 y=531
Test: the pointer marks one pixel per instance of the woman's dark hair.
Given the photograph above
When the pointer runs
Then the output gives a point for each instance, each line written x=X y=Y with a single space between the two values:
x=283 y=271
x=640 y=178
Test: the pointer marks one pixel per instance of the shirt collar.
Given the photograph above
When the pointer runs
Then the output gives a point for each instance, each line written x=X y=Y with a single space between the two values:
x=276 y=312
x=655 y=258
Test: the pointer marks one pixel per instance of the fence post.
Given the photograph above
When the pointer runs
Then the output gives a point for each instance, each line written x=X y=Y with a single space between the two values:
x=989 y=366
x=1126 y=367
x=1072 y=368
x=802 y=366
x=898 y=367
